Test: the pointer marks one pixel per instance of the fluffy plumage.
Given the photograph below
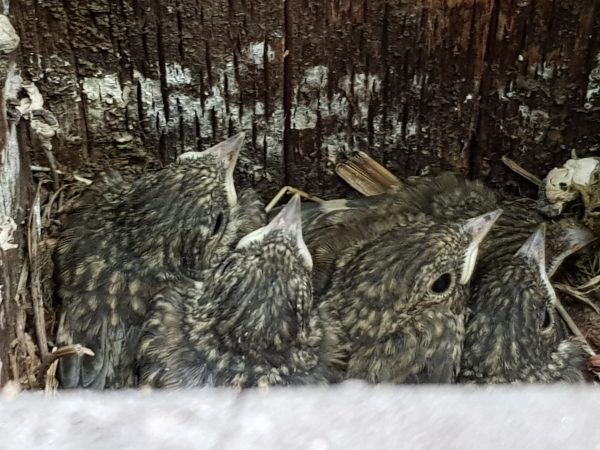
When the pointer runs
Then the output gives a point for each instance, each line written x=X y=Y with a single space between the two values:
x=125 y=241
x=448 y=198
x=249 y=322
x=398 y=291
x=513 y=332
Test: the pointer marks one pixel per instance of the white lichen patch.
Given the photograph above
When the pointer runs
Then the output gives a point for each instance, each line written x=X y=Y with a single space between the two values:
x=107 y=102
x=593 y=88
x=361 y=88
x=196 y=113
x=105 y=89
x=10 y=162
x=315 y=99
x=9 y=39
x=33 y=101
x=152 y=107
x=256 y=53
x=536 y=120
x=7 y=230
x=177 y=75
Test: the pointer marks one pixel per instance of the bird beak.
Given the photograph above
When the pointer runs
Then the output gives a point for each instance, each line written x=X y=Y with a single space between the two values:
x=534 y=247
x=534 y=250
x=289 y=222
x=477 y=228
x=227 y=152
x=571 y=238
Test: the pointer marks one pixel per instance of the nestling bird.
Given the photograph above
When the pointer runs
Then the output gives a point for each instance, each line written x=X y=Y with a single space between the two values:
x=398 y=290
x=249 y=322
x=446 y=197
x=449 y=198
x=124 y=242
x=513 y=332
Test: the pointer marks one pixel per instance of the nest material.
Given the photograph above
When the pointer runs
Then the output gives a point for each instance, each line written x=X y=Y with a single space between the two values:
x=33 y=355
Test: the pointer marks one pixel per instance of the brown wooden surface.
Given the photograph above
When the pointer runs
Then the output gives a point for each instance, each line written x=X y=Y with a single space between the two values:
x=422 y=85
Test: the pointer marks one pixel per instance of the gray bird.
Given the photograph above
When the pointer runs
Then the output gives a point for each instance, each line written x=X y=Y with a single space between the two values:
x=125 y=241
x=513 y=333
x=249 y=322
x=448 y=198
x=398 y=292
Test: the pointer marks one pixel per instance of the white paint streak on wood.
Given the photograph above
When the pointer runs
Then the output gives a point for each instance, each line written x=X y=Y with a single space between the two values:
x=9 y=40
x=255 y=53
x=592 y=95
x=10 y=163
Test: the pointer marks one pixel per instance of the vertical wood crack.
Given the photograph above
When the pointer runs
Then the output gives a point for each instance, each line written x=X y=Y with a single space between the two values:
x=288 y=156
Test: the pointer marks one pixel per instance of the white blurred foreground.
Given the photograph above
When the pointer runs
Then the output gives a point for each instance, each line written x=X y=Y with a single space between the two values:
x=348 y=416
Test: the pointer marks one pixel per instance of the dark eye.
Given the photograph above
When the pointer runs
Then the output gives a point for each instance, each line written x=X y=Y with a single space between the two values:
x=441 y=284
x=547 y=319
x=218 y=224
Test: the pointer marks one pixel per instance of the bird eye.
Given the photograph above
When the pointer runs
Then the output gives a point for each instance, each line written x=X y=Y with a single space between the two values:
x=218 y=224
x=441 y=284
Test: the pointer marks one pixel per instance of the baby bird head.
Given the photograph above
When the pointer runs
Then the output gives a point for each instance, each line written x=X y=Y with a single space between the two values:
x=199 y=198
x=264 y=286
x=417 y=266
x=218 y=163
x=514 y=332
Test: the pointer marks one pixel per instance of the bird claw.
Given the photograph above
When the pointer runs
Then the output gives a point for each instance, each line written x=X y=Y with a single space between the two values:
x=292 y=191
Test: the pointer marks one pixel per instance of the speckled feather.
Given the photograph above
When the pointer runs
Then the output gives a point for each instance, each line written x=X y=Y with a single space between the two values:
x=119 y=248
x=444 y=197
x=250 y=322
x=393 y=326
x=513 y=331
x=449 y=198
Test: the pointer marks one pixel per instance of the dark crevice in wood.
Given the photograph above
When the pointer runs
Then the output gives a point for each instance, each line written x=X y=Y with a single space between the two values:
x=477 y=141
x=198 y=131
x=87 y=150
x=236 y=72
x=385 y=85
x=208 y=63
x=266 y=97
x=470 y=146
x=162 y=70
x=226 y=93
x=288 y=156
x=180 y=45
x=214 y=124
x=181 y=127
x=140 y=110
x=162 y=144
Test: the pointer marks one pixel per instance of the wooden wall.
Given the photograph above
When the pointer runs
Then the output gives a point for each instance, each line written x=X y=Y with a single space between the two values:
x=423 y=85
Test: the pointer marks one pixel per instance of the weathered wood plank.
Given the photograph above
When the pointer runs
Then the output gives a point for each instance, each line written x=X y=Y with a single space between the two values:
x=541 y=92
x=134 y=81
x=399 y=79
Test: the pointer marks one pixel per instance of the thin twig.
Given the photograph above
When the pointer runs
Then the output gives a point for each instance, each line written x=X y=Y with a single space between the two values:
x=590 y=285
x=521 y=171
x=79 y=178
x=53 y=166
x=572 y=326
x=67 y=350
x=36 y=294
x=290 y=190
x=578 y=295
x=48 y=207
